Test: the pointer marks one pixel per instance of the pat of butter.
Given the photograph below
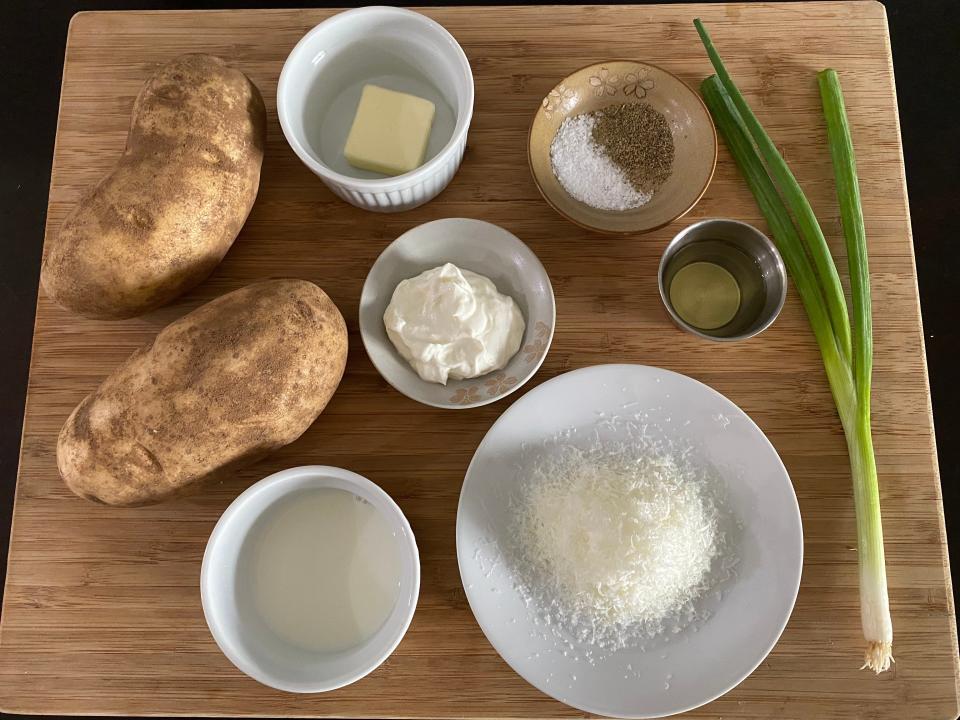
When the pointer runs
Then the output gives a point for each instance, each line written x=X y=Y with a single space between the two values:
x=390 y=131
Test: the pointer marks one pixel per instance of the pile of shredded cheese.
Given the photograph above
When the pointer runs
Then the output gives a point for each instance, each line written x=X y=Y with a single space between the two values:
x=615 y=541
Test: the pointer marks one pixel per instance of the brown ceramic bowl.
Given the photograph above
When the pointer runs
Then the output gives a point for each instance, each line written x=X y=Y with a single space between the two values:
x=613 y=83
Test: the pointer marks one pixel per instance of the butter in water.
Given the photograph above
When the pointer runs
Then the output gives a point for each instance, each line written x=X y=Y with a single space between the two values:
x=390 y=131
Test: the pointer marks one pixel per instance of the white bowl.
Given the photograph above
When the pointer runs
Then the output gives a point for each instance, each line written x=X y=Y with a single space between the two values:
x=244 y=638
x=329 y=66
x=473 y=245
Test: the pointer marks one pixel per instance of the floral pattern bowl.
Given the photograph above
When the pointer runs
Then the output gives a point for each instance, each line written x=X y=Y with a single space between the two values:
x=613 y=83
x=471 y=245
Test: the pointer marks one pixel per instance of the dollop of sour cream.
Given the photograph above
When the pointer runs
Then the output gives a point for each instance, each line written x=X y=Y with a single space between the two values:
x=453 y=323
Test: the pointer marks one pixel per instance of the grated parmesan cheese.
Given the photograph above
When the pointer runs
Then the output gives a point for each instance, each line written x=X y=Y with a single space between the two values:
x=615 y=540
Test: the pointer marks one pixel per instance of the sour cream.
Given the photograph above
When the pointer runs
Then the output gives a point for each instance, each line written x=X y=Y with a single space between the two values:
x=453 y=323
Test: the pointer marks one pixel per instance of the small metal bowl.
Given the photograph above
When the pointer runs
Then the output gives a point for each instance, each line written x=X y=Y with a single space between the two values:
x=748 y=255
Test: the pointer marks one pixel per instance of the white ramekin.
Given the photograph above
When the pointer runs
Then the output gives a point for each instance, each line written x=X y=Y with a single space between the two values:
x=429 y=45
x=240 y=633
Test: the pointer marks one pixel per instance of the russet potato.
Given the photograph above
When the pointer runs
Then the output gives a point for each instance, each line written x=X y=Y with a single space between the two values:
x=173 y=204
x=238 y=377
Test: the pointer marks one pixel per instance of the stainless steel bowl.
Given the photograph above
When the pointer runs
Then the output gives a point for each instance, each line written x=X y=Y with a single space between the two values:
x=746 y=253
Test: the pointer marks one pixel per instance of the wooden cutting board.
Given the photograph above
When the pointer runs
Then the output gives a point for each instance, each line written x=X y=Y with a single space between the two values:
x=102 y=608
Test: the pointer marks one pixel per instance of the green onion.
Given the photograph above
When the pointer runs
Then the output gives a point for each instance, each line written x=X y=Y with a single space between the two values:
x=848 y=373
x=874 y=603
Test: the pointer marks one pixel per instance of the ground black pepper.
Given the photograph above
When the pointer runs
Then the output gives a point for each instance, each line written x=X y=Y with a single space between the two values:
x=638 y=139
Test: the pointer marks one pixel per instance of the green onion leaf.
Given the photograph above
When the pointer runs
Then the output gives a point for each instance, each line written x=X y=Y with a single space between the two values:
x=796 y=201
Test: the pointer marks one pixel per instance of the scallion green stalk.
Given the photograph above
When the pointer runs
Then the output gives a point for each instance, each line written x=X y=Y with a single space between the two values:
x=785 y=235
x=795 y=200
x=874 y=603
x=848 y=373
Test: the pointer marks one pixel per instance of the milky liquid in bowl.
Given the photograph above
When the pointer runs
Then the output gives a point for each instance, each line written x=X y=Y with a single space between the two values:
x=321 y=571
x=332 y=100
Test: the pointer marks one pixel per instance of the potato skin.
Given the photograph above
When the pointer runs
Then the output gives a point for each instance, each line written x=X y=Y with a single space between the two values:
x=172 y=206
x=245 y=374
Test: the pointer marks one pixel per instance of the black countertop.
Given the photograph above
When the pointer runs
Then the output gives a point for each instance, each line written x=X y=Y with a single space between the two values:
x=925 y=35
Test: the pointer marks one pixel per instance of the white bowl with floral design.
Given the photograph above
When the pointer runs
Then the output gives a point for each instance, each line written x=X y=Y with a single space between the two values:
x=473 y=245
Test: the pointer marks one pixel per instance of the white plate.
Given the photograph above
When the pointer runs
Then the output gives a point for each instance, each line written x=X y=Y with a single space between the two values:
x=705 y=659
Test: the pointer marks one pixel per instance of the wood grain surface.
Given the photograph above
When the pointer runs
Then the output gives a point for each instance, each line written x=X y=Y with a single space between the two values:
x=102 y=607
